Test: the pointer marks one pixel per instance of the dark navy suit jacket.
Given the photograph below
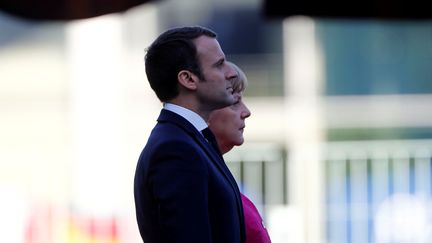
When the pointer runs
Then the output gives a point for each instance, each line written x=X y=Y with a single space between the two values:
x=183 y=189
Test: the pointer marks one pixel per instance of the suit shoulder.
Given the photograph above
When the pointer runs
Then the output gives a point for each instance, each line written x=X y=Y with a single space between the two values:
x=168 y=137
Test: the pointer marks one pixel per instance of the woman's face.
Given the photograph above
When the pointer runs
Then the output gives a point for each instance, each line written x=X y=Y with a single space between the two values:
x=228 y=124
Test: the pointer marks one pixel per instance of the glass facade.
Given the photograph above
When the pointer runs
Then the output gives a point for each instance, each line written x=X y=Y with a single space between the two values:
x=376 y=57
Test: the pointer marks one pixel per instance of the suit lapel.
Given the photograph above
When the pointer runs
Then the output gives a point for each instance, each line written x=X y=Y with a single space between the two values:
x=217 y=159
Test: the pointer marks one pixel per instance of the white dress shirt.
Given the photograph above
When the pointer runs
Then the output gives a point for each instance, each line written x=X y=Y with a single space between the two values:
x=196 y=120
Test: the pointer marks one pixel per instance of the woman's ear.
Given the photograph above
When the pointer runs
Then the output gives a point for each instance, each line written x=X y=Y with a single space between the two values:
x=187 y=79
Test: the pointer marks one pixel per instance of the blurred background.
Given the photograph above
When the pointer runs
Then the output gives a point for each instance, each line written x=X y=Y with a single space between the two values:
x=338 y=147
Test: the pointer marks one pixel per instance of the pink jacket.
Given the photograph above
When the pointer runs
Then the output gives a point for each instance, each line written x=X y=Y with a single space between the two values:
x=255 y=229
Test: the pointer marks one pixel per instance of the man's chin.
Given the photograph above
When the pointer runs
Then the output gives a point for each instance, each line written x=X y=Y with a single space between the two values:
x=229 y=102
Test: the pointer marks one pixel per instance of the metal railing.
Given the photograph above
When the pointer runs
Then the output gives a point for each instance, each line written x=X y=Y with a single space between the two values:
x=375 y=191
x=261 y=173
x=378 y=191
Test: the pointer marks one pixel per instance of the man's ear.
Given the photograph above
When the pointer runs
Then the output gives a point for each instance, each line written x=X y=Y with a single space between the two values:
x=187 y=79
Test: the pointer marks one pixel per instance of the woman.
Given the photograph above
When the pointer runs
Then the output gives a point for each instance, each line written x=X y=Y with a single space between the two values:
x=227 y=124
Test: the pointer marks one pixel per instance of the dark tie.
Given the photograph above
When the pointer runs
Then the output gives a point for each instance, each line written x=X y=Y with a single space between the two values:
x=208 y=134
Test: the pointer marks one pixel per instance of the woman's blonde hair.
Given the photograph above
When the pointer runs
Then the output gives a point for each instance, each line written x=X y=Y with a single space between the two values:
x=240 y=82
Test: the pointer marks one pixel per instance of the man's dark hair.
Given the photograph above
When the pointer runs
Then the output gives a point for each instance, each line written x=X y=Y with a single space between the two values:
x=170 y=53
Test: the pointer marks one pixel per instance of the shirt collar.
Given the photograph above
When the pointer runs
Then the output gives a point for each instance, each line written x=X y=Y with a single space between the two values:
x=196 y=120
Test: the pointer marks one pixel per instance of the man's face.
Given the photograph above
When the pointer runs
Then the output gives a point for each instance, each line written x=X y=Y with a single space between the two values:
x=215 y=91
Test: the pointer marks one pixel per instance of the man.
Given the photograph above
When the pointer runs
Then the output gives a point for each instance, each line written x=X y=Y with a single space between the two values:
x=183 y=190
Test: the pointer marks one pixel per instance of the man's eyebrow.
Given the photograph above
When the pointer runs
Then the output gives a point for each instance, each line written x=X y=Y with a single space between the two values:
x=220 y=61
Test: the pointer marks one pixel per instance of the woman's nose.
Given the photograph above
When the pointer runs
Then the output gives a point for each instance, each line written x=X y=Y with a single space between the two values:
x=246 y=112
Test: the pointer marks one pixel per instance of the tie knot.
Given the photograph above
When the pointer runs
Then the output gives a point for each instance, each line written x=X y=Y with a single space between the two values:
x=208 y=134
